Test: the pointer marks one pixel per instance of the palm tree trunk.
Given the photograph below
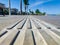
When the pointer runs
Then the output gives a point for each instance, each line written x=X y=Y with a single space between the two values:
x=25 y=9
x=26 y=3
x=9 y=7
x=20 y=6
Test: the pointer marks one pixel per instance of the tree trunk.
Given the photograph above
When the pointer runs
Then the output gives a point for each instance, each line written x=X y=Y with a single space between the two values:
x=9 y=8
x=25 y=9
x=20 y=6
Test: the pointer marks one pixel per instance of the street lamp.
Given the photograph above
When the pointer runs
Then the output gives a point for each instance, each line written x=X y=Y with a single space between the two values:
x=9 y=7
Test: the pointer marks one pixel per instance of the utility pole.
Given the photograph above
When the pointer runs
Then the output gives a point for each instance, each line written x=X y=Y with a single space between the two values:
x=20 y=6
x=9 y=7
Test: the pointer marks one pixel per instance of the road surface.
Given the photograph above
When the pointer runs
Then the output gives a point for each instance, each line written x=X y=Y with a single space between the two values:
x=28 y=30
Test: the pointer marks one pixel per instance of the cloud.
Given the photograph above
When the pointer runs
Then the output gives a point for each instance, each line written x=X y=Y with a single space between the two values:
x=38 y=3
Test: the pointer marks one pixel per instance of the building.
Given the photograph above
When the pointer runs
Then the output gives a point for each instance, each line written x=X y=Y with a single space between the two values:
x=2 y=6
x=5 y=11
x=14 y=11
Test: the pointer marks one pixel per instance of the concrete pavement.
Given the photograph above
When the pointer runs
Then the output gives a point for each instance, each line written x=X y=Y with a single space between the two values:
x=28 y=30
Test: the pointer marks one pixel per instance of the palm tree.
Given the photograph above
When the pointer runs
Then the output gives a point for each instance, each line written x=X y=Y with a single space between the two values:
x=38 y=12
x=26 y=3
x=20 y=6
x=9 y=7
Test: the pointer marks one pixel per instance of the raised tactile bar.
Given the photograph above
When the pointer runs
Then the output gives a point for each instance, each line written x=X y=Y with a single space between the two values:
x=3 y=33
x=15 y=38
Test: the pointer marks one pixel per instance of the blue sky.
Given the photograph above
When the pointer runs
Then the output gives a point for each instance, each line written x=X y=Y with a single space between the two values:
x=48 y=6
